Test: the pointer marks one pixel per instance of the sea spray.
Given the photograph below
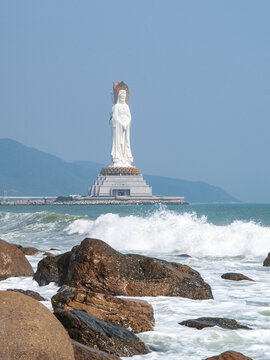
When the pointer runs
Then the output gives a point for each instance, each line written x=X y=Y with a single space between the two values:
x=158 y=232
x=169 y=232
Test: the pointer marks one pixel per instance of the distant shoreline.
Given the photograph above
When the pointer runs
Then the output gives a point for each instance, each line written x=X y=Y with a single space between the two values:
x=171 y=201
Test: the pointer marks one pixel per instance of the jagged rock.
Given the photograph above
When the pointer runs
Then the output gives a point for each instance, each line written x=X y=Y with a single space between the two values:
x=13 y=262
x=99 y=334
x=33 y=294
x=204 y=322
x=28 y=250
x=30 y=331
x=135 y=314
x=229 y=355
x=94 y=265
x=267 y=260
x=235 y=277
x=52 y=269
x=83 y=352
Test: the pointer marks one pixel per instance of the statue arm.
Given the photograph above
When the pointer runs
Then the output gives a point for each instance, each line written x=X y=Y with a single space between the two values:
x=129 y=114
x=113 y=117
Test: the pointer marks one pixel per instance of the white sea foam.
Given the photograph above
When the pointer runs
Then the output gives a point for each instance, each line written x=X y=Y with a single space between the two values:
x=169 y=232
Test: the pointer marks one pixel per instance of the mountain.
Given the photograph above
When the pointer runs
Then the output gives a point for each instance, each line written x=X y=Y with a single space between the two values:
x=27 y=171
x=193 y=191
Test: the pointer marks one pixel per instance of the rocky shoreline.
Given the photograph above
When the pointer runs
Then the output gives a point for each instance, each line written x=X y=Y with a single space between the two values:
x=89 y=318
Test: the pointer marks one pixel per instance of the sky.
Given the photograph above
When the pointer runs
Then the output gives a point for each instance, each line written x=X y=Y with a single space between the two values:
x=198 y=73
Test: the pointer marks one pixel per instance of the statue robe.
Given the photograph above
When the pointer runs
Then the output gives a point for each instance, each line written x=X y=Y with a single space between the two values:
x=120 y=121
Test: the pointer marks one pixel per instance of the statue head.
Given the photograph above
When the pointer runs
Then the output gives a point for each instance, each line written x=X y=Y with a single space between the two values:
x=121 y=92
x=122 y=95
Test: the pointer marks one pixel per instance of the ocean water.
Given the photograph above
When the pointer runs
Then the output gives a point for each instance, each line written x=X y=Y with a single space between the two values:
x=218 y=239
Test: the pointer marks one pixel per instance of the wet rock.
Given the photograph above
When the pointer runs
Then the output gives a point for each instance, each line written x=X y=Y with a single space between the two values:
x=267 y=260
x=94 y=265
x=204 y=322
x=33 y=294
x=28 y=250
x=183 y=255
x=30 y=331
x=52 y=269
x=47 y=271
x=83 y=352
x=99 y=334
x=129 y=313
x=13 y=262
x=229 y=355
x=235 y=277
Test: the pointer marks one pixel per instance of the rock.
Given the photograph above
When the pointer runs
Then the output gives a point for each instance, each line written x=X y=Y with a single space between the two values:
x=135 y=314
x=94 y=265
x=47 y=270
x=83 y=352
x=204 y=322
x=235 y=277
x=28 y=250
x=48 y=254
x=100 y=335
x=267 y=260
x=13 y=262
x=183 y=255
x=30 y=331
x=52 y=269
x=33 y=294
x=229 y=355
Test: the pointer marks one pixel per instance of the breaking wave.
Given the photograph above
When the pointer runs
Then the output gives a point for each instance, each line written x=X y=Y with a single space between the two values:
x=158 y=233
x=170 y=233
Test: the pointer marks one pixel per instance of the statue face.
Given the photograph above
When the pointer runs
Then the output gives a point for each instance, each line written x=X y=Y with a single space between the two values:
x=122 y=96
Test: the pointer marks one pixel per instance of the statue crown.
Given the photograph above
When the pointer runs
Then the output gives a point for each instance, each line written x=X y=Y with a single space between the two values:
x=120 y=86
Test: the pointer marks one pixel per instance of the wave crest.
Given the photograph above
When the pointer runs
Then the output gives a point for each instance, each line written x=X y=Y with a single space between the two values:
x=168 y=232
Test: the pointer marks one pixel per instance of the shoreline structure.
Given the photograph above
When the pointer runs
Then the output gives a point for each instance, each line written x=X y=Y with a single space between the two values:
x=94 y=201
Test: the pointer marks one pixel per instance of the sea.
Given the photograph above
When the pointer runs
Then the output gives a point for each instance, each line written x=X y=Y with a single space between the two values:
x=217 y=238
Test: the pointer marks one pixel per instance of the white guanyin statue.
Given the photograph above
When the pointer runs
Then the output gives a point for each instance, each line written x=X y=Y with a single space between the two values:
x=120 y=121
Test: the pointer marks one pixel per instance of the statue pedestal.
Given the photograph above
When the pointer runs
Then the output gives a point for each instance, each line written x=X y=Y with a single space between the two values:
x=108 y=185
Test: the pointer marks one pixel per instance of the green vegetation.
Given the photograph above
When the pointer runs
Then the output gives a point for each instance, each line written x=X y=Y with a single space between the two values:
x=63 y=198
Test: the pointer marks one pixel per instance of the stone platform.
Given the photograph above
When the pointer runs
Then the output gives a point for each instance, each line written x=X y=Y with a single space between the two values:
x=124 y=185
x=115 y=186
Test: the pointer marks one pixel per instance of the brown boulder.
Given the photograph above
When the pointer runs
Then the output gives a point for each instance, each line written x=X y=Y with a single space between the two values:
x=83 y=352
x=267 y=260
x=135 y=314
x=52 y=269
x=30 y=331
x=94 y=265
x=235 y=277
x=99 y=334
x=28 y=250
x=100 y=268
x=33 y=294
x=229 y=355
x=204 y=322
x=13 y=262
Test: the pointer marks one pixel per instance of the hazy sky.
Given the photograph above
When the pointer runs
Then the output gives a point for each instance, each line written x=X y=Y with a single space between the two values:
x=198 y=72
